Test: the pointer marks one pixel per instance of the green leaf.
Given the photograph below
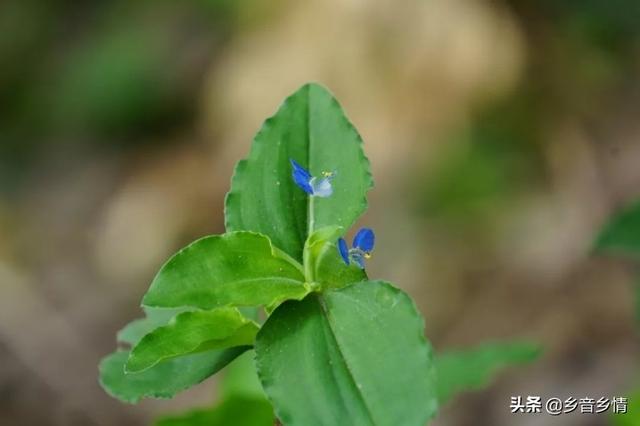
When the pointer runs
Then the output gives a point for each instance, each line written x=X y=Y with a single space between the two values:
x=236 y=411
x=235 y=269
x=311 y=128
x=358 y=353
x=137 y=329
x=463 y=370
x=163 y=380
x=191 y=332
x=621 y=235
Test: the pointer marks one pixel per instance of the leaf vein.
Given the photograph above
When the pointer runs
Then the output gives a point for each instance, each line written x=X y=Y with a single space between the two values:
x=351 y=376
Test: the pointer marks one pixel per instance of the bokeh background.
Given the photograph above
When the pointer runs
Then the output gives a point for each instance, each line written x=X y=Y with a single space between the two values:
x=502 y=134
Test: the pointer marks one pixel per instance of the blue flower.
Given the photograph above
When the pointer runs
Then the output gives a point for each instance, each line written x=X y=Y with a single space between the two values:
x=363 y=244
x=310 y=184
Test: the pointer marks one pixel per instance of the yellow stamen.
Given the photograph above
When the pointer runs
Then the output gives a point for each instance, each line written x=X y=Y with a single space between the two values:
x=367 y=255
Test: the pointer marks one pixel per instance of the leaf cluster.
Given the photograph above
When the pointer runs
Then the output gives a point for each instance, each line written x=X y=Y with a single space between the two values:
x=335 y=345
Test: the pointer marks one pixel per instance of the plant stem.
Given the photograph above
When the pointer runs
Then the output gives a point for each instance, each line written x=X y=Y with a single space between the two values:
x=308 y=266
x=311 y=213
x=306 y=261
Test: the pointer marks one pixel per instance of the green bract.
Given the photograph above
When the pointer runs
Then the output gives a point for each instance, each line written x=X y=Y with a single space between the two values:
x=335 y=348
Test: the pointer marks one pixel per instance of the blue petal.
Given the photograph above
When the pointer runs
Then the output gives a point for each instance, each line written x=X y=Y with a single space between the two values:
x=297 y=168
x=302 y=182
x=322 y=188
x=344 y=250
x=364 y=240
x=301 y=177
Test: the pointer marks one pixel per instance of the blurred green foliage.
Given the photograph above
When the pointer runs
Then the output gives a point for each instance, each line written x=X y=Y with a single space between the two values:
x=485 y=165
x=108 y=74
x=610 y=25
x=620 y=236
x=473 y=369
x=578 y=53
x=240 y=378
x=242 y=401
x=632 y=416
x=236 y=411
